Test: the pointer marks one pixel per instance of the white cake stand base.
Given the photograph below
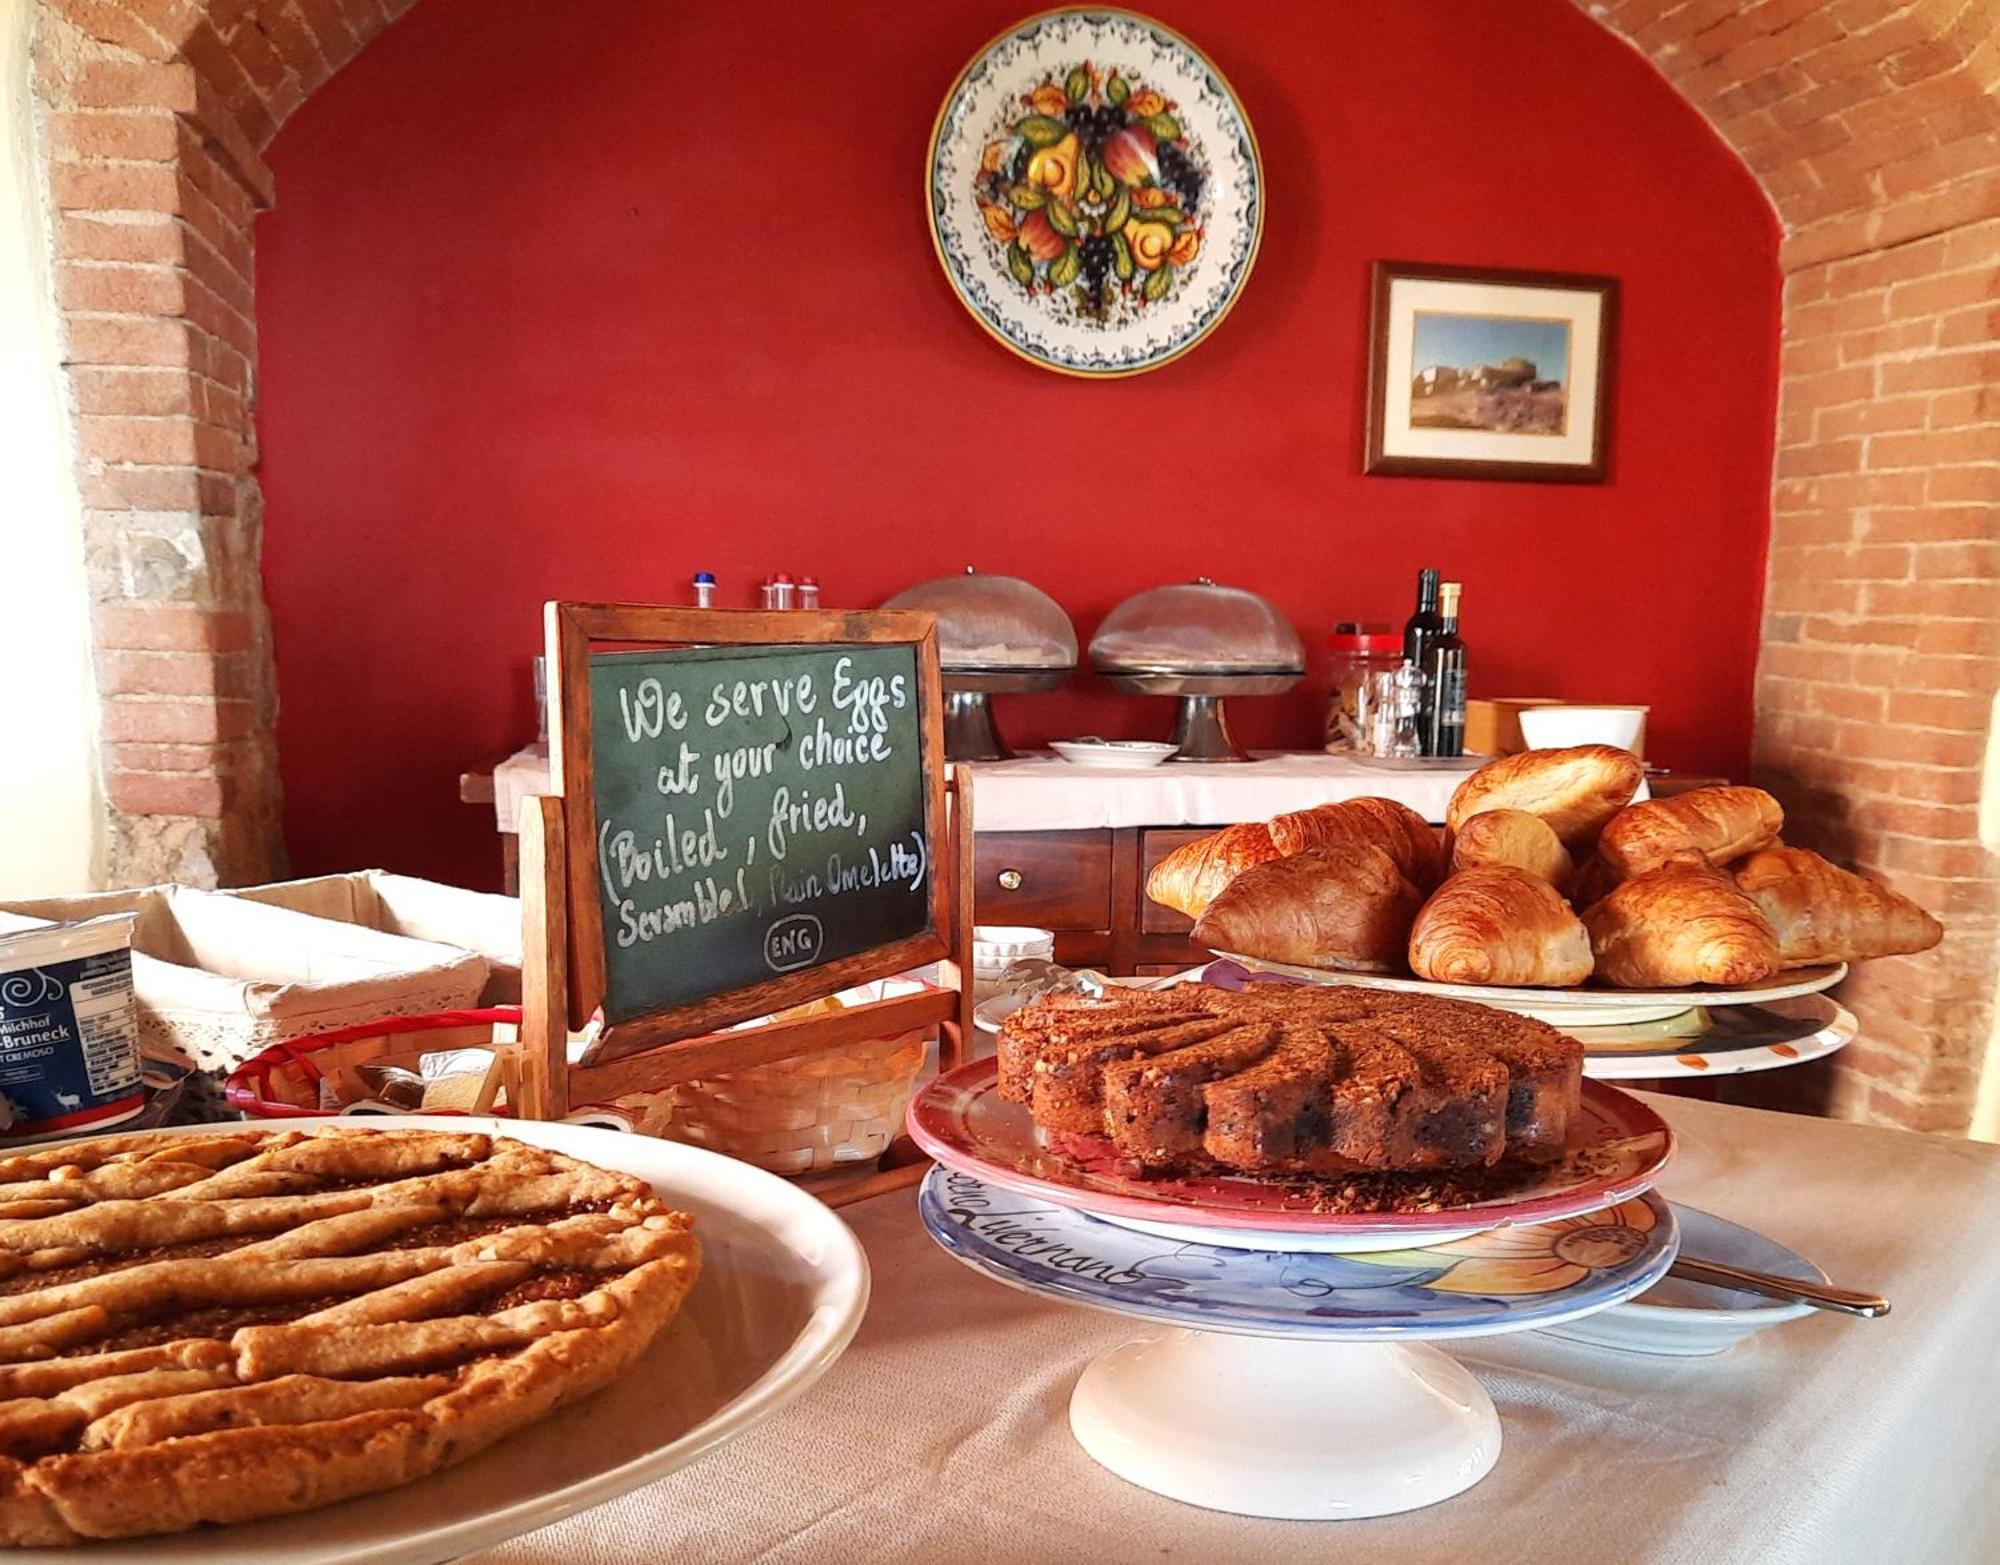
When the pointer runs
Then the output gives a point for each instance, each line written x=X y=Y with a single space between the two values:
x=1302 y=1430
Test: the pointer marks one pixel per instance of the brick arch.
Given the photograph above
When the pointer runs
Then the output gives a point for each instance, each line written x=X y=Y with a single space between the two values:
x=1873 y=125
x=155 y=114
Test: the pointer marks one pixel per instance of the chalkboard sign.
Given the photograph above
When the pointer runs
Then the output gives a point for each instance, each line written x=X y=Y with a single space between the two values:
x=752 y=805
x=760 y=811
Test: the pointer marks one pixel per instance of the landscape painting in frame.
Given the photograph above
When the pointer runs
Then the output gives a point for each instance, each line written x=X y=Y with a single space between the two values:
x=1490 y=374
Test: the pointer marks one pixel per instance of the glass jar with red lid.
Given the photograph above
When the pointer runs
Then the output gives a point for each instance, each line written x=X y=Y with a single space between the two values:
x=1358 y=651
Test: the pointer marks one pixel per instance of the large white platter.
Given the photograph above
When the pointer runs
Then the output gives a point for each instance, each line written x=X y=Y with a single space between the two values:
x=783 y=1287
x=1589 y=1005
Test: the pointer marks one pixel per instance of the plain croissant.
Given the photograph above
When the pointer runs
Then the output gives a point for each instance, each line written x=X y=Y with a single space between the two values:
x=1368 y=822
x=1516 y=838
x=1682 y=923
x=1499 y=925
x=1575 y=790
x=1722 y=823
x=1188 y=878
x=1823 y=913
x=1349 y=908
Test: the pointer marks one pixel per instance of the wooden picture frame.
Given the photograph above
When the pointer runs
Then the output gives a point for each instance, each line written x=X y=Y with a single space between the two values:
x=1499 y=414
x=574 y=631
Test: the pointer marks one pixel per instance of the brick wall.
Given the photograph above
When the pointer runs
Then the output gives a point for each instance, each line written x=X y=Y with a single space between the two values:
x=1874 y=125
x=1875 y=128
x=153 y=113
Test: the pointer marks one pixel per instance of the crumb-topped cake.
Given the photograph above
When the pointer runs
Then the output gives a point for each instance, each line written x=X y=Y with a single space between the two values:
x=211 y=1328
x=1294 y=1081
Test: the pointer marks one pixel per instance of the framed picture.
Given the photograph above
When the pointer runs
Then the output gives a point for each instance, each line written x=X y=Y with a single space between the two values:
x=1477 y=373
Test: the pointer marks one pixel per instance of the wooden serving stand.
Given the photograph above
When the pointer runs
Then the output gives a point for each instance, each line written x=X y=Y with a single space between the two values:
x=562 y=956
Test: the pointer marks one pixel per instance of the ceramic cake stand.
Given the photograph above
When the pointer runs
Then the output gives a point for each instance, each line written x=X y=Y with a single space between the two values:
x=1296 y=1385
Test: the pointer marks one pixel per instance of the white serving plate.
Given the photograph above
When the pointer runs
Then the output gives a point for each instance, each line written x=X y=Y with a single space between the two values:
x=1112 y=755
x=1585 y=1006
x=1691 y=1319
x=783 y=1287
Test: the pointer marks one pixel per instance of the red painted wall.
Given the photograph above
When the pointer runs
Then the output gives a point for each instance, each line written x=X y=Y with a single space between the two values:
x=572 y=301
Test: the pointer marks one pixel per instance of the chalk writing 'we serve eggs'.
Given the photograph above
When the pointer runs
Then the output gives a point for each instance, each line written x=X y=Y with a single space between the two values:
x=743 y=787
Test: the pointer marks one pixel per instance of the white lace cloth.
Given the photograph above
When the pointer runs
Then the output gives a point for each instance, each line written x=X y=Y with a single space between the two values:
x=943 y=1436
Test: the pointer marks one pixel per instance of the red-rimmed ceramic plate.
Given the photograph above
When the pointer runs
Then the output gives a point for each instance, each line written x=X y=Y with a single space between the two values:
x=1617 y=1150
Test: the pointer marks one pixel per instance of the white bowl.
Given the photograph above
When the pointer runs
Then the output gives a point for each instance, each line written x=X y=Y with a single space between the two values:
x=1112 y=754
x=1558 y=727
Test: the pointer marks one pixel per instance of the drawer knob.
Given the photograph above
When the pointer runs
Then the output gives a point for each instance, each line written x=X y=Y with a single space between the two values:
x=1010 y=879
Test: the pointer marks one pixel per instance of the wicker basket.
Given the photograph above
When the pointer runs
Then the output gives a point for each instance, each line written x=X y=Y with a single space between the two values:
x=803 y=1115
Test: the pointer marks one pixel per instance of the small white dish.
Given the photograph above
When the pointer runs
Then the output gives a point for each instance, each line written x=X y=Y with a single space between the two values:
x=1112 y=754
x=1685 y=1319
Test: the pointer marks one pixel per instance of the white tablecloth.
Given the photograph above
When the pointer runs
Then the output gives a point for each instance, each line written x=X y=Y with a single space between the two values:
x=943 y=1434
x=1046 y=793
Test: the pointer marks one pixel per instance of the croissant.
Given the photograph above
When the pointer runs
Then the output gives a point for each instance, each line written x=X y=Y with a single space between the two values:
x=1499 y=925
x=1824 y=913
x=1575 y=790
x=1516 y=838
x=1592 y=881
x=1188 y=878
x=1723 y=823
x=1682 y=923
x=1383 y=823
x=1349 y=908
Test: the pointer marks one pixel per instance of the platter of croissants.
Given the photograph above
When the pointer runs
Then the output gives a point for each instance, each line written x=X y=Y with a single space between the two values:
x=1547 y=879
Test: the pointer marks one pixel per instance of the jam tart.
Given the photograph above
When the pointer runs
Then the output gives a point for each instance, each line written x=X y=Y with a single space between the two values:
x=210 y=1328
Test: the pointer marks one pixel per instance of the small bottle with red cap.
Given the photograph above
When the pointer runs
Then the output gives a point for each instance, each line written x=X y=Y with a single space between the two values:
x=1358 y=651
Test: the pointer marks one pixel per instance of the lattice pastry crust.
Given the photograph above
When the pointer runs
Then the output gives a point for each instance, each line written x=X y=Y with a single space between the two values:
x=211 y=1328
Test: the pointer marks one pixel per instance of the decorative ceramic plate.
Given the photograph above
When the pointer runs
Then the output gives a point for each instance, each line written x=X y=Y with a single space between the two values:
x=1617 y=1151
x=1691 y=1319
x=1725 y=1040
x=1094 y=191
x=1513 y=1279
x=783 y=1287
x=1585 y=1006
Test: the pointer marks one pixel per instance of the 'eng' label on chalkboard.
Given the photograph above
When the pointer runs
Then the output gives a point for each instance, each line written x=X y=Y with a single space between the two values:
x=760 y=811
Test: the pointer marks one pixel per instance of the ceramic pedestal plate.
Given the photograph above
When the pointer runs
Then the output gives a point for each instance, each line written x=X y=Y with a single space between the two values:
x=1296 y=1385
x=1293 y=1373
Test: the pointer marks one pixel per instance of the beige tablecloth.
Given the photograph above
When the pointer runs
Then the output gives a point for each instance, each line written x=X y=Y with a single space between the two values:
x=943 y=1434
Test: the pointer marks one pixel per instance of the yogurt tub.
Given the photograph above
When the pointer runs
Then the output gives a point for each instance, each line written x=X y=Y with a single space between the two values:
x=69 y=1033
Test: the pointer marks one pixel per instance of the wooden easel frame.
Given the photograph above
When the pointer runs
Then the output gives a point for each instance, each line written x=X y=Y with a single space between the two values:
x=562 y=948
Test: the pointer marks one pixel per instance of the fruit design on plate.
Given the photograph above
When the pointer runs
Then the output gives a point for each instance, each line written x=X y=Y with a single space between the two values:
x=1091 y=185
x=1094 y=192
x=1510 y=1262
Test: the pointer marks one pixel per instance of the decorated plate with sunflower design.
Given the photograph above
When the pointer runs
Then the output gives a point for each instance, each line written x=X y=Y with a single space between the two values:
x=1095 y=192
x=1508 y=1279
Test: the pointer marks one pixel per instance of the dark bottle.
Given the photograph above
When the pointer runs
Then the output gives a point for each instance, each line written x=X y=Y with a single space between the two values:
x=1444 y=682
x=1419 y=631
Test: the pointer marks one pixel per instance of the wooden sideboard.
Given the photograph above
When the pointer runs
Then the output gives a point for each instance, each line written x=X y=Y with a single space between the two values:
x=1090 y=888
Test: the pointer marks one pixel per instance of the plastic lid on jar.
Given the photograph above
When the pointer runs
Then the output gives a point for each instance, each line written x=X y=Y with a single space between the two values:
x=1364 y=640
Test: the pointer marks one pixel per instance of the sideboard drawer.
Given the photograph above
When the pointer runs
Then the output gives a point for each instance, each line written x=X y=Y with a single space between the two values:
x=1155 y=845
x=1047 y=879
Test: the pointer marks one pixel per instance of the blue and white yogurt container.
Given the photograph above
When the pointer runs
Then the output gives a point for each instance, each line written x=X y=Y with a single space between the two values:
x=69 y=1030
